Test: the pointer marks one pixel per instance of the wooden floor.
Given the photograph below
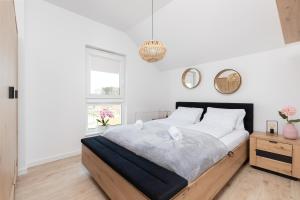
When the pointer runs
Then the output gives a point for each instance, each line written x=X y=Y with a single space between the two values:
x=68 y=180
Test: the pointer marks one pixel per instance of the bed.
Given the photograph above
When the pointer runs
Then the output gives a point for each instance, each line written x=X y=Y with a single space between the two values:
x=124 y=175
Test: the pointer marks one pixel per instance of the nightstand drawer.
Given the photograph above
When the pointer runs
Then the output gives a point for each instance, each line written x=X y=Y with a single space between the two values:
x=274 y=165
x=275 y=147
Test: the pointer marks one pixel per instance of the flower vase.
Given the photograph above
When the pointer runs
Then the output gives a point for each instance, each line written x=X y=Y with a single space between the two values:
x=102 y=129
x=290 y=132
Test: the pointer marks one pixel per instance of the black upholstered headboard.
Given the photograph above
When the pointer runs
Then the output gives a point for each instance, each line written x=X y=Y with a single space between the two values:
x=248 y=107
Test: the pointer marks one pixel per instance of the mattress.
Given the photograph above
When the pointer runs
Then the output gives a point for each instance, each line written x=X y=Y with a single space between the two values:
x=235 y=138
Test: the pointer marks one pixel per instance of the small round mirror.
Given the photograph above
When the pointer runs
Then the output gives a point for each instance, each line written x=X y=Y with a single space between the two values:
x=228 y=81
x=191 y=78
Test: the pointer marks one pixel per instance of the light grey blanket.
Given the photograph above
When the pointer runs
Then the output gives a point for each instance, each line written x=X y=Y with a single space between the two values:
x=188 y=157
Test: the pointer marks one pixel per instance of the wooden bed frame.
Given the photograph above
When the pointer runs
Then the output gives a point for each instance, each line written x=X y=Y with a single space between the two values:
x=205 y=187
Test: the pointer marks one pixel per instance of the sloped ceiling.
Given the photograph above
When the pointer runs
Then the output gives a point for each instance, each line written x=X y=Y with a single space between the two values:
x=198 y=31
x=120 y=14
x=194 y=31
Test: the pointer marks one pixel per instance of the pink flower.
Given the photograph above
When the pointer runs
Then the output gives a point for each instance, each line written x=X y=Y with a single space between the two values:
x=110 y=115
x=102 y=115
x=106 y=113
x=289 y=111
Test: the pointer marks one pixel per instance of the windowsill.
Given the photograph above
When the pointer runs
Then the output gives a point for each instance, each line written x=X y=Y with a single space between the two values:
x=93 y=133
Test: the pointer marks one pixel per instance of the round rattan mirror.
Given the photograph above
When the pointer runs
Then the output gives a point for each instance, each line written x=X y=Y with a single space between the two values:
x=228 y=81
x=191 y=78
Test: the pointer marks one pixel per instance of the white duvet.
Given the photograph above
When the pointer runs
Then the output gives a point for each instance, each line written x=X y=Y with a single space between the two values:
x=188 y=157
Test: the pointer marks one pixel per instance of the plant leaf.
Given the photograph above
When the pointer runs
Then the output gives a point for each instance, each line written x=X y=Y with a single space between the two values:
x=98 y=120
x=282 y=115
x=294 y=120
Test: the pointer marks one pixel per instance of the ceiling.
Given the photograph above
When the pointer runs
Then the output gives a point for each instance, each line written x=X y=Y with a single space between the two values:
x=194 y=31
x=199 y=31
x=120 y=14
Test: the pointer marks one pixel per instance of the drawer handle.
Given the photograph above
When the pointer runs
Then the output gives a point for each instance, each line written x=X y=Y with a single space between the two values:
x=274 y=142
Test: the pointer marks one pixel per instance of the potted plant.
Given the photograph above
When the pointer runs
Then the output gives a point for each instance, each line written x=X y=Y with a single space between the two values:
x=289 y=129
x=104 y=116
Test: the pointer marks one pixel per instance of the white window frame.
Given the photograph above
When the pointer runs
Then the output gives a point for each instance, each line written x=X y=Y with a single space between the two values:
x=105 y=99
x=108 y=55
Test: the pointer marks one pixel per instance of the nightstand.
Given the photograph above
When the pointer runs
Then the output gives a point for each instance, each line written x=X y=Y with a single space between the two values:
x=275 y=153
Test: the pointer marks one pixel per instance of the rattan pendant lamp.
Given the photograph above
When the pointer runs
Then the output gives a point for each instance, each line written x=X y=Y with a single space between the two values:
x=152 y=50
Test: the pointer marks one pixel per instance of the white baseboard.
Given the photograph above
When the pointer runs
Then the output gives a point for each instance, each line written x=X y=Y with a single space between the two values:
x=22 y=171
x=48 y=159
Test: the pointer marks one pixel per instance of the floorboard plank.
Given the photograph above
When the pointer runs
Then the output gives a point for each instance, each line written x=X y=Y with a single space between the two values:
x=68 y=179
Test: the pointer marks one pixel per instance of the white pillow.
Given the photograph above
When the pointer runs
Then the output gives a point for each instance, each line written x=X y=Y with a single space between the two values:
x=240 y=122
x=240 y=114
x=187 y=115
x=217 y=124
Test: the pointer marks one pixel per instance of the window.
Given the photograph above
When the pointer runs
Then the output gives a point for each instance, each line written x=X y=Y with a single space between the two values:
x=105 y=86
x=104 y=83
x=93 y=113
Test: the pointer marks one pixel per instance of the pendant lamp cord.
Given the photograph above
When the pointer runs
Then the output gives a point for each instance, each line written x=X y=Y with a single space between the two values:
x=152 y=21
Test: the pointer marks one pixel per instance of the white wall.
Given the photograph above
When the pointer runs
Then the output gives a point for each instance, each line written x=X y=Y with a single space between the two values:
x=270 y=80
x=52 y=92
x=54 y=79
